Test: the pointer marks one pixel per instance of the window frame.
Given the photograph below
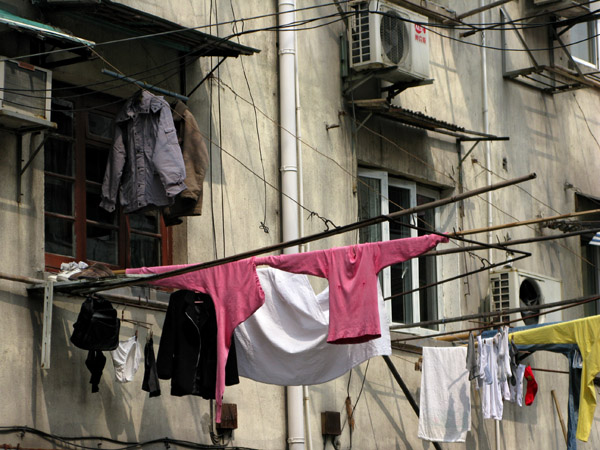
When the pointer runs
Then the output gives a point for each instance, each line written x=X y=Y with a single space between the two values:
x=593 y=41
x=81 y=140
x=386 y=180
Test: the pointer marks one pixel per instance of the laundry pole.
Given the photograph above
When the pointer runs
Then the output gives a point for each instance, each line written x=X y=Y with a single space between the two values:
x=289 y=182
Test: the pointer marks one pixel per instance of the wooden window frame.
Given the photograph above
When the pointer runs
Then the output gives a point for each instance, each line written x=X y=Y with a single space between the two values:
x=82 y=139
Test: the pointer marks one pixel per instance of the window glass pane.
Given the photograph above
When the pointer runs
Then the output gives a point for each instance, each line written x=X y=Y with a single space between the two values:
x=581 y=33
x=58 y=157
x=369 y=205
x=101 y=126
x=62 y=115
x=145 y=250
x=148 y=221
x=401 y=274
x=95 y=163
x=58 y=196
x=93 y=209
x=591 y=274
x=427 y=267
x=59 y=236
x=101 y=244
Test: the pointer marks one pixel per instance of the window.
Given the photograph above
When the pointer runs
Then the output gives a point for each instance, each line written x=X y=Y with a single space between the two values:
x=378 y=193
x=590 y=251
x=76 y=228
x=584 y=48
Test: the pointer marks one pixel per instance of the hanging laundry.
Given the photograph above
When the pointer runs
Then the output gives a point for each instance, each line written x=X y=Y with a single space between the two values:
x=95 y=362
x=285 y=341
x=445 y=405
x=491 y=390
x=187 y=354
x=97 y=325
x=472 y=361
x=532 y=386
x=195 y=156
x=126 y=359
x=150 y=383
x=586 y=334
x=352 y=275
x=145 y=167
x=516 y=389
x=571 y=351
x=237 y=294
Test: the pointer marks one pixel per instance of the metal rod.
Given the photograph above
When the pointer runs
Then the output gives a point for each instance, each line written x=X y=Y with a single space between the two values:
x=524 y=222
x=446 y=280
x=404 y=388
x=503 y=312
x=521 y=38
x=207 y=75
x=145 y=85
x=317 y=236
x=510 y=243
x=463 y=334
x=482 y=9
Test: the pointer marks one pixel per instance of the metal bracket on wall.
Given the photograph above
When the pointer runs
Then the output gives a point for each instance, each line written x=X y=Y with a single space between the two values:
x=548 y=78
x=20 y=168
x=47 y=323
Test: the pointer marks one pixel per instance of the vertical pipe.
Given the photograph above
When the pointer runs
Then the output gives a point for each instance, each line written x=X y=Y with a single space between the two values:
x=289 y=182
x=488 y=159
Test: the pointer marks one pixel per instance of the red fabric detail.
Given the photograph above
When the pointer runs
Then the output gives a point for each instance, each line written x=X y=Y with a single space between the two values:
x=532 y=386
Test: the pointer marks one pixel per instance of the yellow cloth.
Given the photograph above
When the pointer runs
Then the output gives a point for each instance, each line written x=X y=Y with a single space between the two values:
x=586 y=334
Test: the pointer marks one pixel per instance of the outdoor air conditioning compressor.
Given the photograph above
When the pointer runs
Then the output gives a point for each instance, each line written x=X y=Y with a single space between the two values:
x=514 y=288
x=383 y=35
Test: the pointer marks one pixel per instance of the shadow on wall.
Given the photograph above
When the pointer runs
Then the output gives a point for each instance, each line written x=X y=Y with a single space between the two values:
x=120 y=411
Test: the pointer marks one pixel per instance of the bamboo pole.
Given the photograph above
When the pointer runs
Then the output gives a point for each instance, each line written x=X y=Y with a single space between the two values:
x=503 y=312
x=511 y=243
x=560 y=417
x=313 y=237
x=406 y=391
x=524 y=222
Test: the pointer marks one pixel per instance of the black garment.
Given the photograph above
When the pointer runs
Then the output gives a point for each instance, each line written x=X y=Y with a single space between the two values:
x=187 y=354
x=97 y=326
x=150 y=383
x=95 y=362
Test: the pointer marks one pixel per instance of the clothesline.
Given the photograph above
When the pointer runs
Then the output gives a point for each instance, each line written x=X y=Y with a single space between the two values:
x=495 y=313
x=310 y=238
x=508 y=322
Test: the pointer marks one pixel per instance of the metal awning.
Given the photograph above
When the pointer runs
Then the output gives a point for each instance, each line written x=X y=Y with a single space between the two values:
x=41 y=29
x=383 y=108
x=133 y=22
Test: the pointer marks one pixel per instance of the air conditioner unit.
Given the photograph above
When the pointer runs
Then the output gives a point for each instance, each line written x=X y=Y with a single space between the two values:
x=513 y=288
x=383 y=35
x=25 y=94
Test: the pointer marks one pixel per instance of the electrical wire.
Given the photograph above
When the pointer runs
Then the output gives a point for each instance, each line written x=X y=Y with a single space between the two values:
x=180 y=30
x=263 y=225
x=429 y=26
x=125 y=445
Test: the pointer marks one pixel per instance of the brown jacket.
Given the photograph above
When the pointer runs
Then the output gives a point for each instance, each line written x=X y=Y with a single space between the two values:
x=195 y=157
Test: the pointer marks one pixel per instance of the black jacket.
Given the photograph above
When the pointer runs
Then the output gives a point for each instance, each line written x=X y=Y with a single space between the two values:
x=187 y=354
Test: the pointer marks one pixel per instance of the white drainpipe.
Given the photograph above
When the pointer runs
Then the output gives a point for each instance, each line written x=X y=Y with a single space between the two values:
x=289 y=183
x=488 y=161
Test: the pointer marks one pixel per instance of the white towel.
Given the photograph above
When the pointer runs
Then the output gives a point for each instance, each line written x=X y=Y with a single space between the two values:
x=445 y=414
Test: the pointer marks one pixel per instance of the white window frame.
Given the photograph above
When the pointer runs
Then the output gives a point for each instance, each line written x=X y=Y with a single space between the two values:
x=385 y=182
x=593 y=27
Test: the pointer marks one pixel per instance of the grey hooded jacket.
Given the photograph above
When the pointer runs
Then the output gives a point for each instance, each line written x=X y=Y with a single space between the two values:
x=145 y=166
